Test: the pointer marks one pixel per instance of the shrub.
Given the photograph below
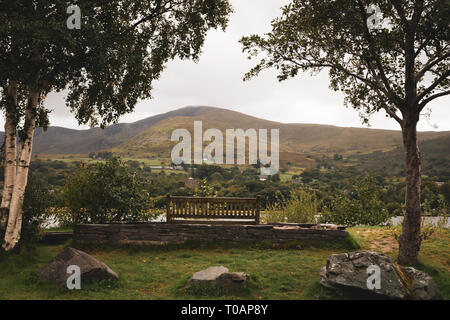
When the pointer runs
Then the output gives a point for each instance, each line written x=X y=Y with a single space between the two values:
x=204 y=189
x=107 y=192
x=438 y=209
x=360 y=207
x=300 y=207
x=36 y=209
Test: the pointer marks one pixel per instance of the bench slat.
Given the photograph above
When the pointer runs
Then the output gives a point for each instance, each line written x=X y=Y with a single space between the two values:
x=212 y=208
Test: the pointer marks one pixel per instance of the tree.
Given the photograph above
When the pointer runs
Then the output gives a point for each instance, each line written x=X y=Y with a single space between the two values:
x=300 y=207
x=106 y=66
x=445 y=190
x=275 y=178
x=363 y=206
x=398 y=67
x=38 y=200
x=107 y=192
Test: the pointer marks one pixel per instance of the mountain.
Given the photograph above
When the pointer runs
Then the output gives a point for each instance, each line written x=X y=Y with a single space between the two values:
x=58 y=140
x=150 y=137
x=435 y=159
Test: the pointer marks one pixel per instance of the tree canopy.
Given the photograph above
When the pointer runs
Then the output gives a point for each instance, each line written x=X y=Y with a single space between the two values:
x=371 y=66
x=110 y=62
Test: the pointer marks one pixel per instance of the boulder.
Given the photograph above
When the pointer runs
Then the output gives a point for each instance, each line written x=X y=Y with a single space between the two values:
x=220 y=278
x=347 y=272
x=421 y=284
x=232 y=280
x=209 y=275
x=91 y=269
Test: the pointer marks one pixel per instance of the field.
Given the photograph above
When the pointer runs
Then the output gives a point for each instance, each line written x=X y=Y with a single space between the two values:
x=291 y=272
x=84 y=158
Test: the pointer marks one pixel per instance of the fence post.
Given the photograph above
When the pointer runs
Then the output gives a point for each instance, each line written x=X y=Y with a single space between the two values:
x=169 y=218
x=258 y=207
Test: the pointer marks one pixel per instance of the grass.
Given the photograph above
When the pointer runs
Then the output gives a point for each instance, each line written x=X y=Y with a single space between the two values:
x=161 y=272
x=84 y=157
x=434 y=257
x=285 y=177
x=58 y=229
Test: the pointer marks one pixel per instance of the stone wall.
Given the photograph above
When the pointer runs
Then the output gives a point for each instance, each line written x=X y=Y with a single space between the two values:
x=160 y=233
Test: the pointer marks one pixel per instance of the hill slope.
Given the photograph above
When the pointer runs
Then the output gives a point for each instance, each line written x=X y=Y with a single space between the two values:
x=296 y=140
x=150 y=137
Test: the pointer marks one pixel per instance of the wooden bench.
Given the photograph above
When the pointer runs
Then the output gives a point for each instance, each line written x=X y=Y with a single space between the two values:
x=213 y=210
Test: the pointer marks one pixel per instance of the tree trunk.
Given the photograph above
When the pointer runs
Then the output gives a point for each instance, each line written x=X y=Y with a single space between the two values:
x=13 y=229
x=410 y=239
x=10 y=154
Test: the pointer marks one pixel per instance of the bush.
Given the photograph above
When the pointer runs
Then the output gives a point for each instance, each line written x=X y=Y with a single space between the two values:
x=360 y=207
x=436 y=210
x=204 y=189
x=300 y=207
x=107 y=192
x=36 y=209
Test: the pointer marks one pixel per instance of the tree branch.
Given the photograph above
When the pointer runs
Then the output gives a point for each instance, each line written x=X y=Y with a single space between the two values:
x=418 y=9
x=377 y=87
x=428 y=90
x=399 y=7
x=430 y=98
x=430 y=64
x=337 y=66
x=397 y=100
x=156 y=12
x=393 y=115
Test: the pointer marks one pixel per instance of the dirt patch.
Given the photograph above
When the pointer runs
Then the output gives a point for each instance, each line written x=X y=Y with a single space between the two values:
x=384 y=247
x=378 y=240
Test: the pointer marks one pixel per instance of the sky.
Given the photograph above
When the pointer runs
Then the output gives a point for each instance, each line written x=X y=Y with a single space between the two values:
x=216 y=80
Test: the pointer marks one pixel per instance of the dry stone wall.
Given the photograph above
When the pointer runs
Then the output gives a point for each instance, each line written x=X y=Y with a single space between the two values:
x=160 y=233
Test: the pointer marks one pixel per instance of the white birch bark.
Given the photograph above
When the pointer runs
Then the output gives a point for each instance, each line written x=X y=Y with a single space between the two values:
x=14 y=226
x=10 y=152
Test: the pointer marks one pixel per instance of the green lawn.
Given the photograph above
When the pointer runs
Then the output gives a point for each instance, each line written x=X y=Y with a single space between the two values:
x=291 y=272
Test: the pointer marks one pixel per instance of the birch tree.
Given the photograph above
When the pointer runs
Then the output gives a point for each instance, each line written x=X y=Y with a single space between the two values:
x=394 y=60
x=106 y=61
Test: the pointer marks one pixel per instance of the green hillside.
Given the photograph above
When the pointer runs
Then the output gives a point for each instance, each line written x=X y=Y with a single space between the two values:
x=435 y=159
x=299 y=143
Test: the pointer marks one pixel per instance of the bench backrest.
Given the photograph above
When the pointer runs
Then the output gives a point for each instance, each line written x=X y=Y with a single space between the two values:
x=213 y=208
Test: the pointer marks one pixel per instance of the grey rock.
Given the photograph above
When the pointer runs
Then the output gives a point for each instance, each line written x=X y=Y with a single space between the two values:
x=232 y=280
x=422 y=285
x=208 y=275
x=347 y=272
x=91 y=269
x=219 y=277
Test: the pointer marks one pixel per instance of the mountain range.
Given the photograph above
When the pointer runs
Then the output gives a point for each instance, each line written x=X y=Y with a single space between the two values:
x=150 y=137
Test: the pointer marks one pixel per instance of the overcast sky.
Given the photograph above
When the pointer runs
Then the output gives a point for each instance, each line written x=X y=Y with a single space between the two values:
x=216 y=80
